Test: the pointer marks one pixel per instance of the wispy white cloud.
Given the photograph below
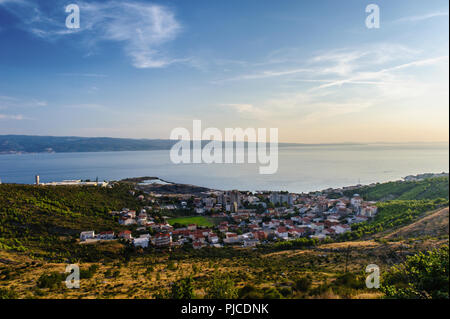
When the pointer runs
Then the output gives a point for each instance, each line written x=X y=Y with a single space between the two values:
x=269 y=74
x=16 y=117
x=140 y=28
x=379 y=77
x=422 y=17
x=87 y=106
x=338 y=62
x=247 y=110
x=14 y=102
x=347 y=82
x=88 y=75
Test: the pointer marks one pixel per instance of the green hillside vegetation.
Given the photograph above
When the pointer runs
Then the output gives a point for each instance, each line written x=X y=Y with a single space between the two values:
x=40 y=226
x=45 y=221
x=393 y=214
x=422 y=276
x=430 y=188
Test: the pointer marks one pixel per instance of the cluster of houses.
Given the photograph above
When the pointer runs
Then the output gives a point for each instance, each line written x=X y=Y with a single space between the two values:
x=246 y=219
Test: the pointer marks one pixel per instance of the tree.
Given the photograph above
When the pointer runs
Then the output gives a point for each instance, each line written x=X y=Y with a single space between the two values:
x=183 y=289
x=422 y=276
x=303 y=284
x=221 y=288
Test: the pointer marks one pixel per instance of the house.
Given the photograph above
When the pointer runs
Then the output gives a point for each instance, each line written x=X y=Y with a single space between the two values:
x=131 y=214
x=260 y=235
x=231 y=238
x=267 y=225
x=198 y=244
x=90 y=234
x=162 y=240
x=250 y=243
x=107 y=235
x=319 y=236
x=356 y=201
x=141 y=242
x=142 y=221
x=213 y=238
x=340 y=229
x=282 y=232
x=126 y=221
x=126 y=234
x=297 y=232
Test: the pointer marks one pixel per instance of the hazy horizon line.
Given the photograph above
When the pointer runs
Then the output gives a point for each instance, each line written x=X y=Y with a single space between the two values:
x=191 y=140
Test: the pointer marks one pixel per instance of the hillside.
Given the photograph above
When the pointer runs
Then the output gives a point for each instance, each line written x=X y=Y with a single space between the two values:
x=45 y=221
x=46 y=144
x=39 y=228
x=11 y=144
x=430 y=188
x=434 y=224
x=393 y=215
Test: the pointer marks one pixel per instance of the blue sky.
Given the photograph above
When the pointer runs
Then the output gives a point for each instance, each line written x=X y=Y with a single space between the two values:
x=311 y=68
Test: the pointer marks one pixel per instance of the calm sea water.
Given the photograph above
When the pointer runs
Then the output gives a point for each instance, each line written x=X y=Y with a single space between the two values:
x=301 y=168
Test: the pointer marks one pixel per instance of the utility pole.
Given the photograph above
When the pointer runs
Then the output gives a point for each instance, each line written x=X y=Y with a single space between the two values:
x=347 y=253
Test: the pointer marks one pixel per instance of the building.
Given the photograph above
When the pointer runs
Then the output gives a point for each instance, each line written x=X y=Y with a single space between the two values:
x=198 y=244
x=126 y=234
x=162 y=240
x=278 y=198
x=250 y=243
x=37 y=179
x=90 y=234
x=213 y=238
x=107 y=235
x=235 y=200
x=282 y=232
x=141 y=242
x=231 y=238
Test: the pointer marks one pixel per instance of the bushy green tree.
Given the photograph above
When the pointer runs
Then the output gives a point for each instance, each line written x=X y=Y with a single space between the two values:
x=221 y=288
x=422 y=276
x=182 y=289
x=303 y=284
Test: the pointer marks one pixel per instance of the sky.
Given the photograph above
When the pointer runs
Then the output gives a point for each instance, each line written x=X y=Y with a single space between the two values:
x=312 y=69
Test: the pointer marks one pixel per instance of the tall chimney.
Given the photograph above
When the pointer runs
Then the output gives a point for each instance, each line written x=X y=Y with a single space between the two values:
x=37 y=179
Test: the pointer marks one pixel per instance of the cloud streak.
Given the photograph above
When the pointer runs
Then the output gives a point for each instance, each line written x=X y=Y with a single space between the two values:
x=142 y=29
x=17 y=117
x=422 y=17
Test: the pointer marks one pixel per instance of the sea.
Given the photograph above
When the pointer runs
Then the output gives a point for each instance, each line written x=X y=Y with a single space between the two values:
x=301 y=168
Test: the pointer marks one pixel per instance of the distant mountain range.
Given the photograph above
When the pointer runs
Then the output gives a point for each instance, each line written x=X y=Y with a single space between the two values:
x=57 y=144
x=13 y=144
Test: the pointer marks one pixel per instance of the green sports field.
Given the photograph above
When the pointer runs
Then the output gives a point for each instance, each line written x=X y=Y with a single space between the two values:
x=198 y=220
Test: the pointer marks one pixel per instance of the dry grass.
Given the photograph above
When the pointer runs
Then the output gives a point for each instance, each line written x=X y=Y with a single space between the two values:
x=435 y=224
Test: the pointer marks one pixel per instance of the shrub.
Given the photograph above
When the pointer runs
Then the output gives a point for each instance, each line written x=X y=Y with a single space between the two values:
x=422 y=276
x=51 y=280
x=303 y=284
x=222 y=288
x=7 y=294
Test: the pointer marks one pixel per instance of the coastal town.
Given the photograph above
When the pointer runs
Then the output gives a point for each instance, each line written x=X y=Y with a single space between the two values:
x=244 y=219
